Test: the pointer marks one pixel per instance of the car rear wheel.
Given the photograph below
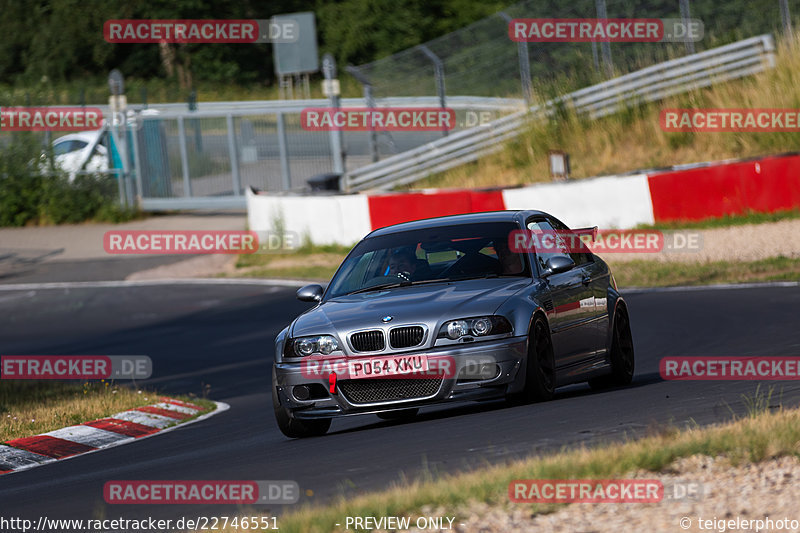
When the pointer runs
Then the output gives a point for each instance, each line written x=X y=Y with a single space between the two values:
x=402 y=414
x=621 y=357
x=294 y=428
x=540 y=371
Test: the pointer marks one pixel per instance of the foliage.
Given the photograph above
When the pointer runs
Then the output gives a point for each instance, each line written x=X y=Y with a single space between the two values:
x=30 y=192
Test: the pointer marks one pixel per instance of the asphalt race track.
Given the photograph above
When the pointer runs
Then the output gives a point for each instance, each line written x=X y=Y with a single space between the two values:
x=219 y=338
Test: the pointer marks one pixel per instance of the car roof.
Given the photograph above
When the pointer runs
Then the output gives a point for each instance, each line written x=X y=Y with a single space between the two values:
x=86 y=136
x=468 y=218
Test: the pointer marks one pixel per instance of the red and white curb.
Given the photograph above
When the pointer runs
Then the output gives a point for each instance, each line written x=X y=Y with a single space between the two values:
x=121 y=428
x=687 y=192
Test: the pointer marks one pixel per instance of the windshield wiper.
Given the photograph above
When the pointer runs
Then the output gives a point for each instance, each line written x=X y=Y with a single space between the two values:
x=380 y=287
x=421 y=282
x=437 y=280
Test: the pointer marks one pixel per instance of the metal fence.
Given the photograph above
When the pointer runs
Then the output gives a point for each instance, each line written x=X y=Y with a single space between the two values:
x=480 y=59
x=208 y=158
x=646 y=85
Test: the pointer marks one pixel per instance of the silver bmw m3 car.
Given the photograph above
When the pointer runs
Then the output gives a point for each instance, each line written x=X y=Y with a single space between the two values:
x=450 y=309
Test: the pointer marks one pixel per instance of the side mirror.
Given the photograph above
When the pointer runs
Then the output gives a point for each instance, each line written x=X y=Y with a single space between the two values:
x=310 y=293
x=557 y=264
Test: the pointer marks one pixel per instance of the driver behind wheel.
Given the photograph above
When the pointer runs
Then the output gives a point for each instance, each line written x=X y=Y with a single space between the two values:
x=404 y=264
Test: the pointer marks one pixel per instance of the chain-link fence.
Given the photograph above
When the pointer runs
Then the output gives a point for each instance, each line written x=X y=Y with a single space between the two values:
x=215 y=153
x=219 y=151
x=482 y=60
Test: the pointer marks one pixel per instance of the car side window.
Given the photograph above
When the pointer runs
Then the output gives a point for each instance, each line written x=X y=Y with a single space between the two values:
x=63 y=147
x=580 y=258
x=544 y=227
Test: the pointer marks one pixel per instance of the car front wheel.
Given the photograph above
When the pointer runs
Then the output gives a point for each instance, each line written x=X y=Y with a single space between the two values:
x=621 y=356
x=294 y=428
x=540 y=370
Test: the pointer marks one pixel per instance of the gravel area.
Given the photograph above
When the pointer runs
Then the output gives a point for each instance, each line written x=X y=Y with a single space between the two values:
x=201 y=266
x=749 y=242
x=750 y=491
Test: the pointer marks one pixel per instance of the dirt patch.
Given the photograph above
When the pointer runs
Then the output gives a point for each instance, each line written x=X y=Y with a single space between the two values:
x=751 y=491
x=749 y=242
x=204 y=266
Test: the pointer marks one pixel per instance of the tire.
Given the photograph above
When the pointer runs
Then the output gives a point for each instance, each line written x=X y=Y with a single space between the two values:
x=622 y=355
x=403 y=414
x=294 y=428
x=540 y=374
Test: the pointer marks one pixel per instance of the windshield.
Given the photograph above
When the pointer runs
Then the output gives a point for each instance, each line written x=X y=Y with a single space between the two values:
x=443 y=253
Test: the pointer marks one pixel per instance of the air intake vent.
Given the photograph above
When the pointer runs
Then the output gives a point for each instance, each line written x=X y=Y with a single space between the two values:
x=361 y=391
x=548 y=304
x=368 y=341
x=406 y=336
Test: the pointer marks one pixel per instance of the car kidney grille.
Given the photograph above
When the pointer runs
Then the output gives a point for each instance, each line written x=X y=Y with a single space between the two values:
x=368 y=341
x=406 y=336
x=362 y=391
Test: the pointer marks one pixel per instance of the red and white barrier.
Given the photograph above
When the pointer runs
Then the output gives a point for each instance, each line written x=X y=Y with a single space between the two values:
x=332 y=219
x=712 y=190
x=121 y=428
x=609 y=202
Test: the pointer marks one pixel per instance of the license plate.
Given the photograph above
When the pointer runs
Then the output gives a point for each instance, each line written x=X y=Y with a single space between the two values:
x=388 y=366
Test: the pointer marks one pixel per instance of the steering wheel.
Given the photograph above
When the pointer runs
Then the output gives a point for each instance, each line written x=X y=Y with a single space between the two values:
x=389 y=278
x=404 y=276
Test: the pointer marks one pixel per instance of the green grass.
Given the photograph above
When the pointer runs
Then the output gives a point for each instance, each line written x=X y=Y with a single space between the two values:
x=648 y=273
x=310 y=261
x=310 y=273
x=633 y=139
x=758 y=436
x=320 y=266
x=33 y=407
x=263 y=259
x=727 y=221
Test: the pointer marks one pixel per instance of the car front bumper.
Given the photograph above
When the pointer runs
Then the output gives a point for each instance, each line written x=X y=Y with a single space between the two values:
x=505 y=354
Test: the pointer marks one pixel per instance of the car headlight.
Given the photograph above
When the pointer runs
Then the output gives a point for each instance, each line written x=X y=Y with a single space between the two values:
x=457 y=328
x=322 y=344
x=478 y=327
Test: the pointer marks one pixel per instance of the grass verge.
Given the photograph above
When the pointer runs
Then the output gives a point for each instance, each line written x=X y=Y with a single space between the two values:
x=636 y=273
x=759 y=436
x=726 y=221
x=32 y=407
x=614 y=144
x=311 y=261
x=649 y=273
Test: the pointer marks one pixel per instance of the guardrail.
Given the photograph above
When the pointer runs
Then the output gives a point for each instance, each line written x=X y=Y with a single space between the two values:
x=295 y=106
x=649 y=84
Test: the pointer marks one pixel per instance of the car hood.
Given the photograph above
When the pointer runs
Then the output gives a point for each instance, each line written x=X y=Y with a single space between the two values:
x=422 y=304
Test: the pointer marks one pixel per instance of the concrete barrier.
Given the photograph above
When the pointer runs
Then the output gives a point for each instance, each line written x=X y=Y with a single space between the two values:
x=711 y=190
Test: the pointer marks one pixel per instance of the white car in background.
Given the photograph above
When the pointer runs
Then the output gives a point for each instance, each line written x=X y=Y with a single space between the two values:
x=80 y=151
